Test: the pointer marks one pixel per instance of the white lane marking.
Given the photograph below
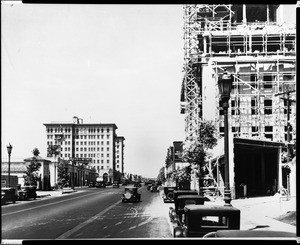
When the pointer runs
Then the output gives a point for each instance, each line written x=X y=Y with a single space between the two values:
x=134 y=211
x=78 y=227
x=49 y=204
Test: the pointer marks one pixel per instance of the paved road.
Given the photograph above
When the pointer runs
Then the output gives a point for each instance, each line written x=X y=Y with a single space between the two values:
x=92 y=213
x=99 y=213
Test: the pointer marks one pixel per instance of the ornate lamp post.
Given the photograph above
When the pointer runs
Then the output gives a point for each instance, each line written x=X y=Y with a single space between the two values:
x=225 y=86
x=9 y=148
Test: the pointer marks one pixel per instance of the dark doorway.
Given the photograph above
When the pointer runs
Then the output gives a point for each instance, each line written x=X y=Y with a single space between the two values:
x=255 y=167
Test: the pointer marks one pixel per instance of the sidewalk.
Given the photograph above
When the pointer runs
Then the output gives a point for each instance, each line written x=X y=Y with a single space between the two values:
x=261 y=213
x=59 y=192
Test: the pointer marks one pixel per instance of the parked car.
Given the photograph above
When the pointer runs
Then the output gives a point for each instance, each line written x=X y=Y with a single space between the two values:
x=116 y=184
x=27 y=192
x=8 y=194
x=247 y=234
x=92 y=184
x=168 y=194
x=149 y=186
x=100 y=184
x=137 y=184
x=177 y=193
x=131 y=195
x=176 y=213
x=199 y=220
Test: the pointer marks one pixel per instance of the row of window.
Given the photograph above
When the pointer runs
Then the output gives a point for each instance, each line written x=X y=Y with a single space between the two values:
x=77 y=130
x=254 y=129
x=254 y=111
x=107 y=167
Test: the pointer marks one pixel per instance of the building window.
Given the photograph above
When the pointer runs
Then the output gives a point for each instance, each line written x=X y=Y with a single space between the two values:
x=221 y=111
x=268 y=106
x=234 y=107
x=107 y=161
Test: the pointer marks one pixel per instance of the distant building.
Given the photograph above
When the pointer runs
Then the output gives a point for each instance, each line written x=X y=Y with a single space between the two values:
x=95 y=144
x=174 y=161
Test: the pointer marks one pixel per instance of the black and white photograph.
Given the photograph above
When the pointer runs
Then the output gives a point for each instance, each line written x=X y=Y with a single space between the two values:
x=148 y=121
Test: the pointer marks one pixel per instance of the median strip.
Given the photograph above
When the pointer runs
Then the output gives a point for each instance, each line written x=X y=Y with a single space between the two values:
x=85 y=223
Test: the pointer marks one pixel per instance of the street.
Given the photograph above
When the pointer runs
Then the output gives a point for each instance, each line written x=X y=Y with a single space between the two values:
x=92 y=213
x=98 y=213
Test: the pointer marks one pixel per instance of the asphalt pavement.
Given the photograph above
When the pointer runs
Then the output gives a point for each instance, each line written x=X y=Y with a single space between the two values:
x=257 y=213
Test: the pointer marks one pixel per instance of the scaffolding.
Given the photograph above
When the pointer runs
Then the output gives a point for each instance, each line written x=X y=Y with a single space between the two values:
x=258 y=50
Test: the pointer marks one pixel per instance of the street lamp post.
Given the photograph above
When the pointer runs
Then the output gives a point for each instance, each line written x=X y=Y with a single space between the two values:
x=9 y=148
x=225 y=86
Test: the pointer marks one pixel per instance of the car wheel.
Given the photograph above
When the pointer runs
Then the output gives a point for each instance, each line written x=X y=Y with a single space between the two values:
x=170 y=195
x=178 y=232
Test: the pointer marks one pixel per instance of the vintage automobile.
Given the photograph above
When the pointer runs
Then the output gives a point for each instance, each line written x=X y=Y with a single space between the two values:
x=131 y=195
x=199 y=220
x=8 y=194
x=176 y=213
x=184 y=192
x=27 y=192
x=149 y=186
x=100 y=184
x=248 y=234
x=154 y=188
x=116 y=184
x=168 y=194
x=137 y=184
x=92 y=184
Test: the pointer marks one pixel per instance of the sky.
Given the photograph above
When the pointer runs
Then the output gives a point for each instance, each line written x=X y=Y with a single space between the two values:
x=103 y=63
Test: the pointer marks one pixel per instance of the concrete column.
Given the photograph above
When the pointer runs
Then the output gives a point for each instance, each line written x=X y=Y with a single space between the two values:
x=244 y=14
x=279 y=169
x=263 y=182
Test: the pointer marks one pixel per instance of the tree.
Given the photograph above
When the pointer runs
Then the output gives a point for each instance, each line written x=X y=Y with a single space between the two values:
x=196 y=154
x=182 y=177
x=63 y=176
x=161 y=175
x=35 y=152
x=31 y=174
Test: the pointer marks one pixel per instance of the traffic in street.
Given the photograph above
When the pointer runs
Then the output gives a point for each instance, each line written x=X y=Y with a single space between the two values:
x=87 y=214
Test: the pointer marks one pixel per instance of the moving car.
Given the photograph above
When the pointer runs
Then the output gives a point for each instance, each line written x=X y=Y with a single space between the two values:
x=199 y=220
x=8 y=194
x=100 y=184
x=168 y=194
x=131 y=195
x=154 y=188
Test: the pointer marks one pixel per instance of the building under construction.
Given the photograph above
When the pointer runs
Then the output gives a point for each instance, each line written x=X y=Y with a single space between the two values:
x=257 y=45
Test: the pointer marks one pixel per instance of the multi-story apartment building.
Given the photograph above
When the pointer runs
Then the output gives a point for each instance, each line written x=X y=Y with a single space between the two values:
x=94 y=143
x=120 y=153
x=257 y=45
